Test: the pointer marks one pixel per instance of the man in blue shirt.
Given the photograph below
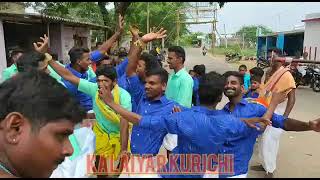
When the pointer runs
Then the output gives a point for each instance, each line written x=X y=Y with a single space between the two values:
x=138 y=65
x=199 y=130
x=242 y=147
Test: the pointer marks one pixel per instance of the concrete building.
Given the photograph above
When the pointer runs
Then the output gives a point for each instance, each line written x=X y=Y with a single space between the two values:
x=21 y=30
x=312 y=36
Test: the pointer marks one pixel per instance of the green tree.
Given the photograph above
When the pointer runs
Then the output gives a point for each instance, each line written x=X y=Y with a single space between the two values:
x=249 y=32
x=162 y=14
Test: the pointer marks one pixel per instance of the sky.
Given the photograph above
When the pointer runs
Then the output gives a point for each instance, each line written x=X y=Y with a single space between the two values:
x=279 y=16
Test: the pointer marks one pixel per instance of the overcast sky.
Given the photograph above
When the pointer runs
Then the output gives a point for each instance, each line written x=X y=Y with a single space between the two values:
x=279 y=16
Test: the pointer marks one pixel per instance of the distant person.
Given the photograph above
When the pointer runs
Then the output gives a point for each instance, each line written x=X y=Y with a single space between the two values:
x=253 y=91
x=179 y=88
x=12 y=70
x=246 y=76
x=204 y=50
x=199 y=71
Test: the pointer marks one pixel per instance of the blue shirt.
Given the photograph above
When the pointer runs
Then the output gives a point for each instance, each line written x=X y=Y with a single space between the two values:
x=195 y=95
x=143 y=140
x=242 y=146
x=84 y=99
x=251 y=94
x=136 y=89
x=198 y=132
x=246 y=80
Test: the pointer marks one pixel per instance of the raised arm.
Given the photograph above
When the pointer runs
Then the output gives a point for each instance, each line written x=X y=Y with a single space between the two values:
x=138 y=46
x=42 y=47
x=106 y=96
x=109 y=43
x=134 y=52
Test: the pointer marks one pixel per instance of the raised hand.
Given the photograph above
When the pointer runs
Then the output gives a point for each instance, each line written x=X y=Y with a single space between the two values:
x=121 y=23
x=153 y=36
x=105 y=94
x=42 y=47
x=134 y=30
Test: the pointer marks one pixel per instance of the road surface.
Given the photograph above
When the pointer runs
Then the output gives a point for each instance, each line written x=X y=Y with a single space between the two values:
x=299 y=153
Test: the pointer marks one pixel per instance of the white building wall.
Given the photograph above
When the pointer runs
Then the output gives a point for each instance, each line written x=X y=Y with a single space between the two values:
x=312 y=39
x=3 y=59
x=67 y=33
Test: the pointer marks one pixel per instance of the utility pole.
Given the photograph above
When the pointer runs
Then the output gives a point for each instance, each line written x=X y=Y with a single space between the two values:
x=148 y=13
x=178 y=27
x=242 y=40
x=225 y=35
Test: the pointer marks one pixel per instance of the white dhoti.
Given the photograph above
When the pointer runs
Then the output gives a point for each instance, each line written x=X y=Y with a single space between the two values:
x=211 y=174
x=239 y=176
x=139 y=167
x=170 y=141
x=268 y=151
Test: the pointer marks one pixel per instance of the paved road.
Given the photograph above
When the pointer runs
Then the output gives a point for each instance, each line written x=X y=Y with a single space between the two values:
x=299 y=153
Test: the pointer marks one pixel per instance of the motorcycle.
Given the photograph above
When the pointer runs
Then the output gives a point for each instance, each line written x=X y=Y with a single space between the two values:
x=302 y=75
x=316 y=80
x=233 y=57
x=262 y=62
x=306 y=76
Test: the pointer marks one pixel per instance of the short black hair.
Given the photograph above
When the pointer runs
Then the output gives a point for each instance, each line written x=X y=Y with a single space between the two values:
x=211 y=88
x=40 y=98
x=150 y=61
x=159 y=72
x=243 y=66
x=179 y=52
x=256 y=78
x=236 y=74
x=257 y=71
x=76 y=53
x=29 y=61
x=107 y=71
x=200 y=69
x=14 y=52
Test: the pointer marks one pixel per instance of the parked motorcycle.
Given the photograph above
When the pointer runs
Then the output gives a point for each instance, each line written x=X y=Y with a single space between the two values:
x=262 y=62
x=233 y=57
x=316 y=80
x=306 y=76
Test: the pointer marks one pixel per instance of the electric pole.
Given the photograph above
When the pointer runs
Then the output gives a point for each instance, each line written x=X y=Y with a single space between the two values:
x=178 y=27
x=148 y=13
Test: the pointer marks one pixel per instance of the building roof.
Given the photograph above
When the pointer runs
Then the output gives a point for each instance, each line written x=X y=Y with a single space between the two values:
x=42 y=18
x=297 y=31
x=312 y=17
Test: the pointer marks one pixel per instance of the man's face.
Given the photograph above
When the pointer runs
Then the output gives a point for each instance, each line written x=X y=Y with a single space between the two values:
x=254 y=84
x=242 y=70
x=105 y=82
x=173 y=60
x=37 y=152
x=192 y=74
x=153 y=86
x=106 y=62
x=16 y=57
x=84 y=62
x=232 y=87
x=141 y=69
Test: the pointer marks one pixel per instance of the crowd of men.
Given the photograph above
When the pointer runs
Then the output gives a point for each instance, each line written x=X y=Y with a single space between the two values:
x=139 y=108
